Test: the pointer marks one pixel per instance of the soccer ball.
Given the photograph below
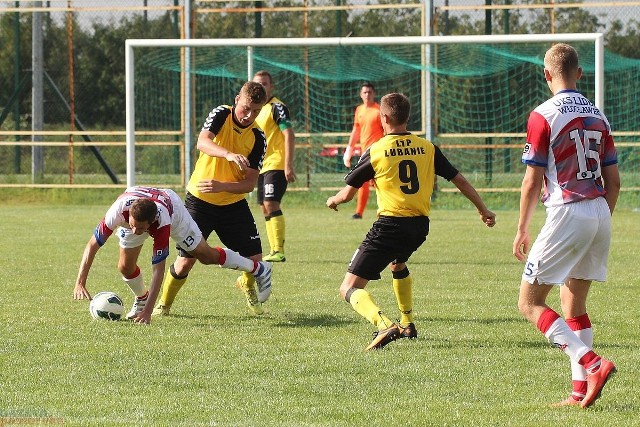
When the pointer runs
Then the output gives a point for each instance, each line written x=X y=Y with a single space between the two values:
x=106 y=305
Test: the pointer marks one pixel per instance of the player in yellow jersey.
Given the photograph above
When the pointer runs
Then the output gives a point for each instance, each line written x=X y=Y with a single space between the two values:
x=277 y=169
x=404 y=167
x=231 y=148
x=367 y=129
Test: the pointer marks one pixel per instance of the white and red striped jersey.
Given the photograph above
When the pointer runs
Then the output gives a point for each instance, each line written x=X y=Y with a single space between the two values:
x=118 y=216
x=571 y=138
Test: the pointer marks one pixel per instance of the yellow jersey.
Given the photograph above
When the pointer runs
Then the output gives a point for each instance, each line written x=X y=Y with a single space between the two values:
x=273 y=119
x=404 y=167
x=248 y=141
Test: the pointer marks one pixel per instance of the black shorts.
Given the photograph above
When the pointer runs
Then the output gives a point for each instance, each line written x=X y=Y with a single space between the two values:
x=234 y=225
x=390 y=239
x=271 y=186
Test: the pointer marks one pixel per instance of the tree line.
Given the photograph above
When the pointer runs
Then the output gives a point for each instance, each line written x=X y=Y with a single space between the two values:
x=98 y=49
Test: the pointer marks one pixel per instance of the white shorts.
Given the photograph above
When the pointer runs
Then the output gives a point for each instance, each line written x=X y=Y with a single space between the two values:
x=573 y=243
x=184 y=229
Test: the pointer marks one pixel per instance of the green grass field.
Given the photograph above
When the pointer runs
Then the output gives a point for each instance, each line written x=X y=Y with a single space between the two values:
x=476 y=362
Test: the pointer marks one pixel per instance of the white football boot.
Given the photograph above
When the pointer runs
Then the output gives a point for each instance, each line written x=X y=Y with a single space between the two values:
x=138 y=306
x=263 y=280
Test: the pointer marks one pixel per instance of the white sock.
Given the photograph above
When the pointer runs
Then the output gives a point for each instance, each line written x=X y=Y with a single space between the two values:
x=235 y=261
x=136 y=284
x=578 y=373
x=560 y=335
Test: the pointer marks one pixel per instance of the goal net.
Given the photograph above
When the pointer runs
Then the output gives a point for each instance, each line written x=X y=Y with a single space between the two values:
x=471 y=95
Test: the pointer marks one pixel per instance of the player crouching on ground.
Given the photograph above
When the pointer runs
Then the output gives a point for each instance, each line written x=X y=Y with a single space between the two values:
x=404 y=167
x=141 y=212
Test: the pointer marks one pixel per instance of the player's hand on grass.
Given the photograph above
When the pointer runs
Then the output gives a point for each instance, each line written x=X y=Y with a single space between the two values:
x=143 y=317
x=81 y=292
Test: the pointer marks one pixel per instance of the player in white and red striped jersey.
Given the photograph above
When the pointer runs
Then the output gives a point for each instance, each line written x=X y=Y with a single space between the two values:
x=141 y=212
x=572 y=139
x=569 y=151
x=118 y=215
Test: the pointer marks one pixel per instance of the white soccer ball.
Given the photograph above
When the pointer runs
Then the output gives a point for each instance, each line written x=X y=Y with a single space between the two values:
x=106 y=305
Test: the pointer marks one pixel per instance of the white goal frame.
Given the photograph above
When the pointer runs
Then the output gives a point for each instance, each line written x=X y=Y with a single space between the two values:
x=131 y=44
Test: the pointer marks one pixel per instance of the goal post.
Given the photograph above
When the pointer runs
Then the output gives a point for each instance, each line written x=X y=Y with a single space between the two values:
x=186 y=47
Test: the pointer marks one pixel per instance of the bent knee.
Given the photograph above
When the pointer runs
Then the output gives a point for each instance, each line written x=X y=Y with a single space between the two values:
x=127 y=270
x=345 y=291
x=183 y=266
x=523 y=307
x=528 y=308
x=207 y=257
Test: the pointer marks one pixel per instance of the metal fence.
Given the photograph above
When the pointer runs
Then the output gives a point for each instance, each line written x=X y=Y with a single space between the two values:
x=56 y=129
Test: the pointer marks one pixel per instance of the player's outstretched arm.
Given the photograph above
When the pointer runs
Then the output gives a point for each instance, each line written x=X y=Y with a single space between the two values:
x=80 y=290
x=465 y=187
x=343 y=196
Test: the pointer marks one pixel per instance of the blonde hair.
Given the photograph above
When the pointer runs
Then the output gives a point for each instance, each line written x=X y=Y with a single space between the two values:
x=561 y=60
x=397 y=107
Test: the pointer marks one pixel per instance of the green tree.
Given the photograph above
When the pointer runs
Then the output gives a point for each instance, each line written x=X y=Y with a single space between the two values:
x=100 y=65
x=568 y=20
x=8 y=56
x=225 y=25
x=624 y=41
x=386 y=22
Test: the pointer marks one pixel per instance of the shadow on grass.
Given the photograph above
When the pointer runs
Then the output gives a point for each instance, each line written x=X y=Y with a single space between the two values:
x=283 y=320
x=342 y=262
x=458 y=262
x=444 y=343
x=481 y=321
x=299 y=320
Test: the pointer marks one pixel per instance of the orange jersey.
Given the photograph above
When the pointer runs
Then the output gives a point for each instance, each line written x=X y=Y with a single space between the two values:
x=368 y=120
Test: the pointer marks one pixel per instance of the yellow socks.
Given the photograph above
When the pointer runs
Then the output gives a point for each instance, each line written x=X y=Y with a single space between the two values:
x=363 y=303
x=276 y=239
x=247 y=284
x=246 y=281
x=171 y=286
x=403 y=289
x=270 y=237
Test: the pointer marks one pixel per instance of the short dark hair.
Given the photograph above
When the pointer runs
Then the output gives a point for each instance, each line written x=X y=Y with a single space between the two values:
x=255 y=92
x=369 y=85
x=397 y=107
x=144 y=210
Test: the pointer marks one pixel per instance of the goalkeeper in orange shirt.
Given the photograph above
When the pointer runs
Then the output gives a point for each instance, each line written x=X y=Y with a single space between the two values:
x=367 y=129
